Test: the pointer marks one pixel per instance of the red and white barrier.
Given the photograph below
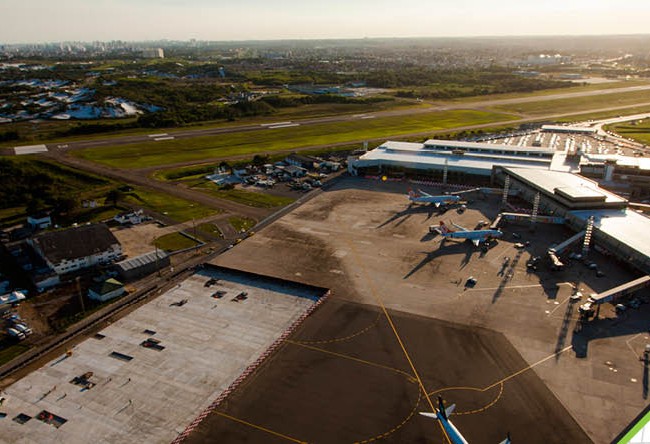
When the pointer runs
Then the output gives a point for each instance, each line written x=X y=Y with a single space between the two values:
x=250 y=369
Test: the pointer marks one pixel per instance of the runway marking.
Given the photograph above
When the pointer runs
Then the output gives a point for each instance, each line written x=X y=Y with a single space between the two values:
x=408 y=376
x=258 y=427
x=160 y=139
x=505 y=288
x=525 y=369
x=558 y=306
x=630 y=340
x=276 y=123
x=398 y=426
x=470 y=412
x=368 y=117
x=345 y=338
x=397 y=336
x=286 y=125
x=157 y=135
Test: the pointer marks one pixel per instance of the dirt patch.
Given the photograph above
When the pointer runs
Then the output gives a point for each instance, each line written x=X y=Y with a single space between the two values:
x=138 y=239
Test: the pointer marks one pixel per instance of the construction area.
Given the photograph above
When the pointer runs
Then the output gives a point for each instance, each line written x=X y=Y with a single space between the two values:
x=133 y=382
x=364 y=240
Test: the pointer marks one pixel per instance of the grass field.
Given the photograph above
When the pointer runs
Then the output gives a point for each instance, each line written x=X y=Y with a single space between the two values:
x=549 y=92
x=210 y=229
x=639 y=131
x=176 y=208
x=603 y=115
x=577 y=104
x=241 y=223
x=250 y=198
x=267 y=140
x=174 y=242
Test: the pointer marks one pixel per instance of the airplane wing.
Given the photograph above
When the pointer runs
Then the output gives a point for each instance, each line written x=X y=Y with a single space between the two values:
x=459 y=227
x=422 y=193
x=429 y=415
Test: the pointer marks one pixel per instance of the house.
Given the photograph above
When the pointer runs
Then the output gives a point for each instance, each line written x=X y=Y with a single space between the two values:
x=306 y=162
x=39 y=221
x=295 y=171
x=108 y=289
x=132 y=218
x=77 y=248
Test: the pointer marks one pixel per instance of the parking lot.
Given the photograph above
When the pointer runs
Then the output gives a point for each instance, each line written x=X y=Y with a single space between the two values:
x=362 y=239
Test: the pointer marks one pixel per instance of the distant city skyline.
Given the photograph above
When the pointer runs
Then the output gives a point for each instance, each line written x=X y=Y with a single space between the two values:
x=40 y=21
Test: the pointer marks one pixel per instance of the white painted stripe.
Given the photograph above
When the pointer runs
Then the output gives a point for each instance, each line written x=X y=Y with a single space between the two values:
x=158 y=135
x=30 y=149
x=368 y=117
x=284 y=126
x=158 y=139
x=274 y=124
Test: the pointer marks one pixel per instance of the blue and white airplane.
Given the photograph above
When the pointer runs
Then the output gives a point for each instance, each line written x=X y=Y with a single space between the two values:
x=420 y=196
x=476 y=236
x=453 y=435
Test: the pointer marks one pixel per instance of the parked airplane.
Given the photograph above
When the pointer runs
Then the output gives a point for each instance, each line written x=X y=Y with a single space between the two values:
x=476 y=236
x=11 y=298
x=420 y=196
x=453 y=435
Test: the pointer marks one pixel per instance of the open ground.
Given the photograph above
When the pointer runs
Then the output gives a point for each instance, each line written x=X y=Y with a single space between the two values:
x=361 y=239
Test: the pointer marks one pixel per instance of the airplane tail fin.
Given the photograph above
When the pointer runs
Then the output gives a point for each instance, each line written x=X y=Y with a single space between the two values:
x=507 y=440
x=444 y=229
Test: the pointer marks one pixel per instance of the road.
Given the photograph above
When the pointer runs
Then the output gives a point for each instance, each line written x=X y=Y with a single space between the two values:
x=185 y=134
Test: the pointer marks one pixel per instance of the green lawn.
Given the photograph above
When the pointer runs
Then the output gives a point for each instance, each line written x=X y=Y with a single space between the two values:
x=174 y=242
x=577 y=104
x=241 y=223
x=176 y=208
x=210 y=229
x=550 y=92
x=639 y=131
x=250 y=198
x=603 y=115
x=267 y=140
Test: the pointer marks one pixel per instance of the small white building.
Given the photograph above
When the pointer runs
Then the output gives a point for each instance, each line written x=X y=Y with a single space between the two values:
x=106 y=290
x=132 y=218
x=39 y=222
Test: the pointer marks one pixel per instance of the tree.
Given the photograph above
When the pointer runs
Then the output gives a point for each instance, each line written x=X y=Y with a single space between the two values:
x=114 y=195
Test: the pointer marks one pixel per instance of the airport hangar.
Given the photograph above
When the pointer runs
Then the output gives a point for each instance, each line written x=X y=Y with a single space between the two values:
x=532 y=171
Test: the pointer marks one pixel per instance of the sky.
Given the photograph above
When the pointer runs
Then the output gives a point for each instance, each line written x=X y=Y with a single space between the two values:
x=29 y=21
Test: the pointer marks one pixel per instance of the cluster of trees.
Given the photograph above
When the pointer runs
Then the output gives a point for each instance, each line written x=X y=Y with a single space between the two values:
x=442 y=84
x=39 y=185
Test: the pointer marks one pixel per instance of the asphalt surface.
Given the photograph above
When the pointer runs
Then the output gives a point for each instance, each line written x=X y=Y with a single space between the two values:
x=342 y=377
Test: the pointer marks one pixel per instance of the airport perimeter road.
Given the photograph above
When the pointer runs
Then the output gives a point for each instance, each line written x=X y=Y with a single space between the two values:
x=184 y=134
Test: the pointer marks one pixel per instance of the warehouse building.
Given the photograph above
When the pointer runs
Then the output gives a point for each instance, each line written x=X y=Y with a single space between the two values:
x=143 y=265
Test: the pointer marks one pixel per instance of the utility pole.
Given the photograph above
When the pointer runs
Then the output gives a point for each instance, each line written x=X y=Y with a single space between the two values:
x=81 y=296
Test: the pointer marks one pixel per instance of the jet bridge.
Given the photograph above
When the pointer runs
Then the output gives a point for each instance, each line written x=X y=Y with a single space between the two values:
x=621 y=290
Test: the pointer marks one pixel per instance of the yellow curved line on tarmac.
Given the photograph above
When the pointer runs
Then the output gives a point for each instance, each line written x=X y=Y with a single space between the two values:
x=408 y=376
x=345 y=338
x=398 y=426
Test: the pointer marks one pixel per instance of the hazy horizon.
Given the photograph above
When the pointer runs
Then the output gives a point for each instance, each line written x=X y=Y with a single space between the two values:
x=40 y=21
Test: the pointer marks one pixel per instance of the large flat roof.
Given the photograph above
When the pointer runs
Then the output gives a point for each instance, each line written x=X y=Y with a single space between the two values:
x=142 y=394
x=567 y=185
x=482 y=146
x=627 y=226
x=472 y=163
